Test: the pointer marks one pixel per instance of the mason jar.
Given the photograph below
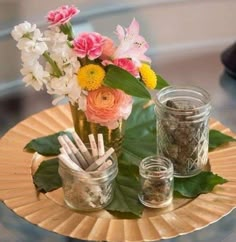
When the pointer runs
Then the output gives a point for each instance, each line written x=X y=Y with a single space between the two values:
x=182 y=115
x=156 y=175
x=88 y=191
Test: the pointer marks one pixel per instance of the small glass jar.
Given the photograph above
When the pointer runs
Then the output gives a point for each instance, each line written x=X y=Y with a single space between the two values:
x=183 y=128
x=88 y=191
x=156 y=174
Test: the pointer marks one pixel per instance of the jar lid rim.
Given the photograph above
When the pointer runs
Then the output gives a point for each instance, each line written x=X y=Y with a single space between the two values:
x=194 y=89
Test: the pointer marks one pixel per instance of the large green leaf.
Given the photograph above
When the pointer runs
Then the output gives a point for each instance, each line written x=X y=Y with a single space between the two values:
x=140 y=133
x=142 y=118
x=161 y=83
x=126 y=193
x=117 y=77
x=46 y=145
x=216 y=139
x=201 y=183
x=46 y=178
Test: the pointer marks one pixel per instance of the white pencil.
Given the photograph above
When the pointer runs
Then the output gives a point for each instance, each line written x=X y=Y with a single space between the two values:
x=62 y=151
x=83 y=163
x=105 y=165
x=67 y=149
x=94 y=147
x=100 y=160
x=101 y=148
x=68 y=162
x=83 y=149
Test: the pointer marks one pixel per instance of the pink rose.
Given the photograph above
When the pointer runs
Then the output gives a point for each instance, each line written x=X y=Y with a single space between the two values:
x=127 y=65
x=88 y=44
x=107 y=106
x=61 y=15
x=108 y=48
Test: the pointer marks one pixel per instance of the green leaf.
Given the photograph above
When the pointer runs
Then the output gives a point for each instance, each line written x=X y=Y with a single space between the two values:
x=161 y=83
x=140 y=133
x=125 y=198
x=46 y=178
x=119 y=78
x=201 y=183
x=56 y=70
x=216 y=138
x=46 y=145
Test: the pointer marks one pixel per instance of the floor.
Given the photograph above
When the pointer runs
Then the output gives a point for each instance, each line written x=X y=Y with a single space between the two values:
x=202 y=68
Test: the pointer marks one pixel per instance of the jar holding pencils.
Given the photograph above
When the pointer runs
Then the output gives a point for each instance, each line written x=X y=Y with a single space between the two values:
x=87 y=172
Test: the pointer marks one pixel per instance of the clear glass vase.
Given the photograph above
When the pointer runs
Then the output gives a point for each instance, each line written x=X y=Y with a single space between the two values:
x=112 y=137
x=182 y=128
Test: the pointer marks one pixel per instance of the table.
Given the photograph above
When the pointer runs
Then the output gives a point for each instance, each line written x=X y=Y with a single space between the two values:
x=223 y=230
x=48 y=211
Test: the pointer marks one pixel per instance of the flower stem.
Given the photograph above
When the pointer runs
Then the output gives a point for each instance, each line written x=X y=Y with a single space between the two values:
x=56 y=70
x=67 y=29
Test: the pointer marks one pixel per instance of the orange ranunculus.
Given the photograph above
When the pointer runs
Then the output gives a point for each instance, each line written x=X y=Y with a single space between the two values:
x=107 y=106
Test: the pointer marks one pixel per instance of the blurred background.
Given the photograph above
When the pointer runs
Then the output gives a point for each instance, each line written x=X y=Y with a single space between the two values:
x=186 y=38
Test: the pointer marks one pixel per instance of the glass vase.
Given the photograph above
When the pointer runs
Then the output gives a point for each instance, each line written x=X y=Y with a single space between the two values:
x=112 y=137
x=182 y=128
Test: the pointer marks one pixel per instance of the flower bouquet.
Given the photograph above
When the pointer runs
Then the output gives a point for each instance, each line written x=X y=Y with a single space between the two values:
x=97 y=76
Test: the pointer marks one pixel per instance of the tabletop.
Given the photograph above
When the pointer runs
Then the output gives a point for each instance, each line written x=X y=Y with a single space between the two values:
x=207 y=73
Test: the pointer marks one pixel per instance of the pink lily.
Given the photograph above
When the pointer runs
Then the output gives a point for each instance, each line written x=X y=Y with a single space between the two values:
x=132 y=45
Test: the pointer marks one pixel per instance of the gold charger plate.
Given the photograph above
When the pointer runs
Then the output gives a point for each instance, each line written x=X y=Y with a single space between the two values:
x=48 y=211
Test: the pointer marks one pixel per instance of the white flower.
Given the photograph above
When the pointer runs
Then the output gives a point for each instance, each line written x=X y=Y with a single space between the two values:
x=73 y=61
x=71 y=66
x=60 y=56
x=37 y=35
x=22 y=29
x=82 y=101
x=30 y=42
x=75 y=90
x=32 y=46
x=57 y=43
x=64 y=86
x=63 y=55
x=34 y=76
x=60 y=50
x=58 y=86
x=54 y=37
x=28 y=58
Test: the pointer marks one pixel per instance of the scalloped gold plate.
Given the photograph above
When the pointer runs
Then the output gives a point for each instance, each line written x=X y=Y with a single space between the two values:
x=48 y=211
